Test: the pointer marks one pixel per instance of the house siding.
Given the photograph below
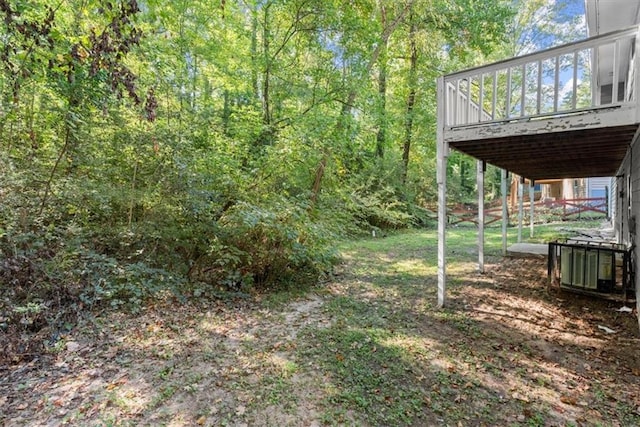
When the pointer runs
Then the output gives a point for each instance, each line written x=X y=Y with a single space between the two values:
x=628 y=208
x=596 y=187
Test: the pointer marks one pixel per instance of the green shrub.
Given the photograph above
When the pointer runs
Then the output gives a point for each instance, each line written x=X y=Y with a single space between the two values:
x=264 y=247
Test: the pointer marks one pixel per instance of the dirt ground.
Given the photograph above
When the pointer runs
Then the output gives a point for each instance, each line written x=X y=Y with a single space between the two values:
x=506 y=351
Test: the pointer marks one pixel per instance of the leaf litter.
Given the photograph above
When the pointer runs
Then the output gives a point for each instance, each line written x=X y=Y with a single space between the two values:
x=506 y=351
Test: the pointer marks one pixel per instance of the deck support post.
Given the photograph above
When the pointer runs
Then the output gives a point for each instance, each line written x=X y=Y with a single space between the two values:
x=442 y=153
x=520 y=207
x=505 y=213
x=531 y=206
x=480 y=183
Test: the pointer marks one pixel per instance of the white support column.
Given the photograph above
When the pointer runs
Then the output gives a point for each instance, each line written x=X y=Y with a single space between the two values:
x=531 y=206
x=520 y=208
x=505 y=213
x=480 y=183
x=442 y=153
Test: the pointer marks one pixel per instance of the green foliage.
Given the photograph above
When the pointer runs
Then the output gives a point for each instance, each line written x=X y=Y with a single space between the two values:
x=378 y=208
x=147 y=145
x=56 y=268
x=265 y=247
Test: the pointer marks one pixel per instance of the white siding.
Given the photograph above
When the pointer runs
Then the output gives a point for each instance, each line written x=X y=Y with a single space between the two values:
x=628 y=207
x=597 y=185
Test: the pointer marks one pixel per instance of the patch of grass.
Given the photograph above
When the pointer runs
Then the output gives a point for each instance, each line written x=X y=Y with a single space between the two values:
x=371 y=367
x=165 y=393
x=375 y=377
x=279 y=392
x=536 y=420
x=165 y=372
x=369 y=376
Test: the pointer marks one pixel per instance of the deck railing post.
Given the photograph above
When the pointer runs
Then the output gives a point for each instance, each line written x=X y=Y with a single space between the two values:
x=494 y=94
x=481 y=98
x=556 y=84
x=539 y=85
x=595 y=90
x=523 y=93
x=574 y=99
x=616 y=73
x=469 y=103
x=507 y=112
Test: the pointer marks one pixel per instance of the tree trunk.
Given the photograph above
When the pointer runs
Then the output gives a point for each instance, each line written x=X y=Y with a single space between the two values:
x=254 y=53
x=266 y=78
x=411 y=101
x=226 y=112
x=382 y=91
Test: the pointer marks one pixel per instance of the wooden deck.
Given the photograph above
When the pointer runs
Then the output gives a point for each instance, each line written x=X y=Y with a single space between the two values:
x=568 y=112
x=547 y=115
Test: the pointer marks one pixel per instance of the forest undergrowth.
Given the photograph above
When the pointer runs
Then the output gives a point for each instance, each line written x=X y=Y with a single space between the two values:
x=367 y=346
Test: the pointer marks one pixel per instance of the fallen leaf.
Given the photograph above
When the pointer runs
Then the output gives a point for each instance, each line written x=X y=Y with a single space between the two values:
x=201 y=420
x=568 y=400
x=72 y=346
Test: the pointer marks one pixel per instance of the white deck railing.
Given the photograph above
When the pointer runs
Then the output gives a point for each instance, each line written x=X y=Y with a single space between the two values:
x=593 y=73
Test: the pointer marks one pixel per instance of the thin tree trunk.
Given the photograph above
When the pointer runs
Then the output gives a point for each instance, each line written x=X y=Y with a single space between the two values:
x=254 y=53
x=133 y=189
x=63 y=151
x=411 y=101
x=226 y=112
x=266 y=39
x=382 y=91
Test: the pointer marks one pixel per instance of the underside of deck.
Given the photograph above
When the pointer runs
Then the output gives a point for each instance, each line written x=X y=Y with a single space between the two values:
x=564 y=147
x=569 y=154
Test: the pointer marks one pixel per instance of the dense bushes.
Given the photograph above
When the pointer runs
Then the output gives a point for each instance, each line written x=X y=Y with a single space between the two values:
x=73 y=256
x=265 y=247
